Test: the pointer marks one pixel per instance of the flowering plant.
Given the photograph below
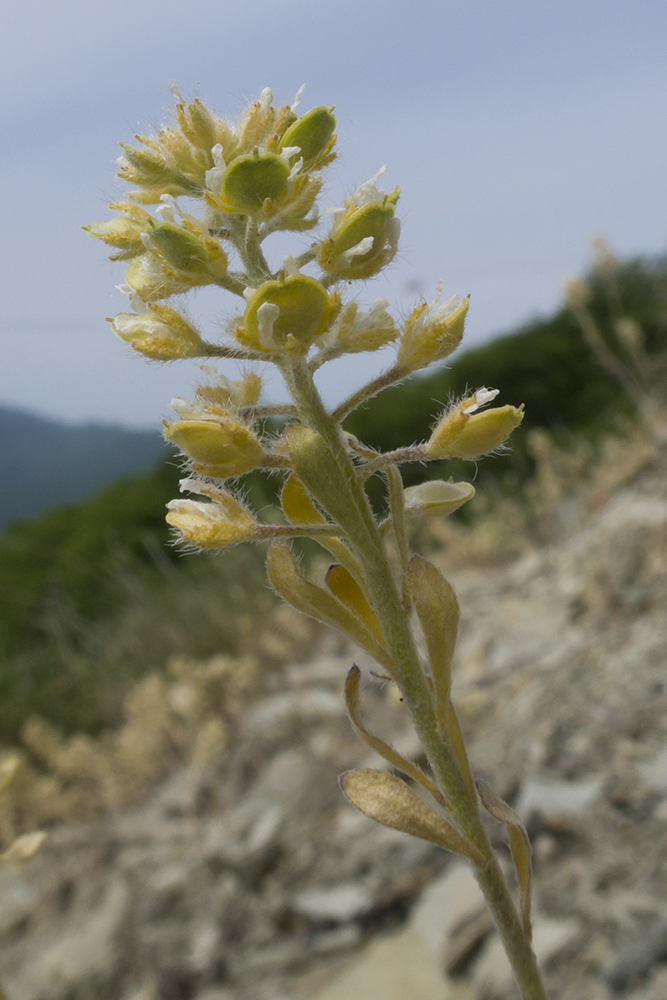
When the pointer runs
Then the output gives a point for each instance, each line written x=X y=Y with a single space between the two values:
x=251 y=179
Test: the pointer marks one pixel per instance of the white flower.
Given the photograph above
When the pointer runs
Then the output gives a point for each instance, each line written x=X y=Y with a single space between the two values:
x=136 y=301
x=359 y=249
x=297 y=99
x=481 y=398
x=191 y=411
x=267 y=314
x=174 y=91
x=290 y=266
x=213 y=177
x=367 y=193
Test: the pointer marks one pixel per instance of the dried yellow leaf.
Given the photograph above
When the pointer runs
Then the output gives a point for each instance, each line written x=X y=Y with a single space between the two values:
x=389 y=801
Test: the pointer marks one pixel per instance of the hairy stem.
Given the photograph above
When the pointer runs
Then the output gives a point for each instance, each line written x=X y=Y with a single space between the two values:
x=390 y=377
x=414 y=453
x=367 y=545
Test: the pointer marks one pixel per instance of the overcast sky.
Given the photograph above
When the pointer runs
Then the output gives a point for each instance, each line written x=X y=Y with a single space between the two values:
x=517 y=131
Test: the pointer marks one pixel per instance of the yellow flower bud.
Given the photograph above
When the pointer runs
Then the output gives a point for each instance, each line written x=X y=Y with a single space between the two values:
x=219 y=448
x=299 y=307
x=312 y=133
x=249 y=180
x=162 y=334
x=197 y=124
x=145 y=166
x=178 y=249
x=212 y=525
x=437 y=498
x=124 y=233
x=432 y=332
x=363 y=243
x=152 y=282
x=477 y=435
x=356 y=331
x=225 y=393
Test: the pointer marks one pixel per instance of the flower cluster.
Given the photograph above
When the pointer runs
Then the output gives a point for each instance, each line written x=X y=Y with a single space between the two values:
x=220 y=189
x=250 y=178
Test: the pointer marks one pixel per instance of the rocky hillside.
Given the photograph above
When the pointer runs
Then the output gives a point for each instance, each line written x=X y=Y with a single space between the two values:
x=245 y=875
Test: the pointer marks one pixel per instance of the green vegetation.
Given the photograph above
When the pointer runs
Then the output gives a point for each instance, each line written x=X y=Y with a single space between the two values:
x=92 y=597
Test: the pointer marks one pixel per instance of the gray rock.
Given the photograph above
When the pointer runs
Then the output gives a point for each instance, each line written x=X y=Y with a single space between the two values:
x=492 y=975
x=338 y=904
x=82 y=959
x=18 y=900
x=276 y=718
x=451 y=901
x=557 y=800
x=654 y=773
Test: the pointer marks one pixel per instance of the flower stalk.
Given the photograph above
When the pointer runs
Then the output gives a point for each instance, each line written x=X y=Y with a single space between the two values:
x=254 y=177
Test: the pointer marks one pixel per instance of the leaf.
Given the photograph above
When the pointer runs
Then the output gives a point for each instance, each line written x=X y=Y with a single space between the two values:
x=459 y=748
x=318 y=603
x=297 y=505
x=519 y=846
x=384 y=749
x=438 y=612
x=300 y=509
x=389 y=801
x=343 y=586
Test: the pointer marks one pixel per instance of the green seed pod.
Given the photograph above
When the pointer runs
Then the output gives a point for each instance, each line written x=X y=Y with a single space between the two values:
x=301 y=307
x=249 y=180
x=178 y=249
x=311 y=133
x=373 y=223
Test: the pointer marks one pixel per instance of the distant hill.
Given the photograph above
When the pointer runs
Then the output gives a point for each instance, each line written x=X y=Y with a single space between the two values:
x=46 y=464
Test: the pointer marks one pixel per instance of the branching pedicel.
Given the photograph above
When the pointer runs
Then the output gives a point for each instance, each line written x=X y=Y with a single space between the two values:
x=252 y=179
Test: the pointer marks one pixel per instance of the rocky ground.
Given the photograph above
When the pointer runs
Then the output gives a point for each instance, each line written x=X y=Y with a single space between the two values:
x=254 y=880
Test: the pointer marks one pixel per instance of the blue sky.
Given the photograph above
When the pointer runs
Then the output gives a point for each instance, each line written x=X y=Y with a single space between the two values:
x=517 y=131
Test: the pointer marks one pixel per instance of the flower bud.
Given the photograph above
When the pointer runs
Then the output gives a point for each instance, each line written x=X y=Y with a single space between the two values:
x=212 y=525
x=162 y=334
x=223 y=392
x=218 y=447
x=356 y=331
x=477 y=435
x=432 y=332
x=363 y=243
x=124 y=232
x=312 y=133
x=299 y=307
x=146 y=167
x=197 y=124
x=437 y=498
x=178 y=249
x=146 y=277
x=249 y=180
